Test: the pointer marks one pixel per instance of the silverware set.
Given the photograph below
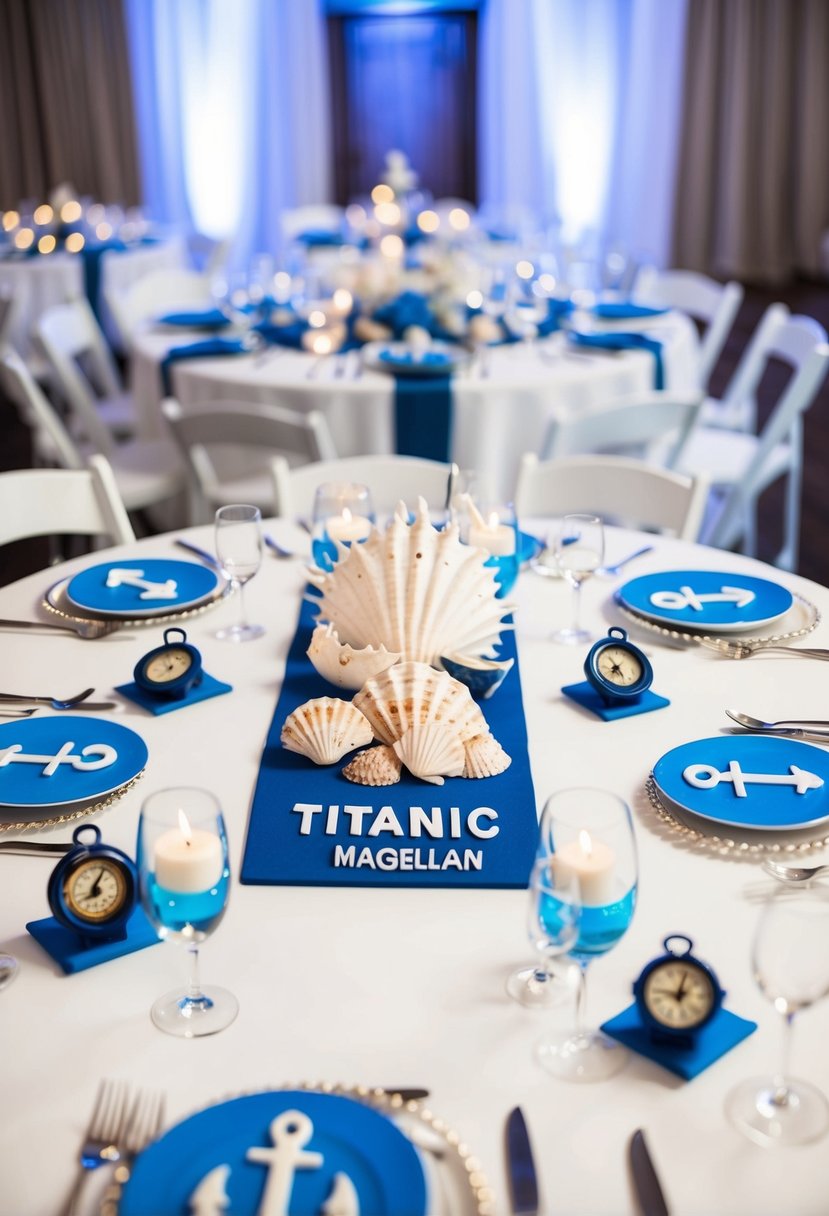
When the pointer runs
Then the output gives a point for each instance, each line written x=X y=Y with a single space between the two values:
x=733 y=648
x=87 y=630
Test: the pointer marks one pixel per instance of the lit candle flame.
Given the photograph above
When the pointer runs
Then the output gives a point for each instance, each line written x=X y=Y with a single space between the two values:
x=184 y=824
x=585 y=843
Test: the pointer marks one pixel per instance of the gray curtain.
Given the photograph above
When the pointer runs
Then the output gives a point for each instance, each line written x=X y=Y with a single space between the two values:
x=753 y=184
x=66 y=101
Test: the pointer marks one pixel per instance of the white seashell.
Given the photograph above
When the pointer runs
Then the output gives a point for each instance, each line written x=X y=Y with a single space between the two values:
x=341 y=664
x=484 y=757
x=410 y=694
x=431 y=751
x=414 y=590
x=375 y=766
x=325 y=729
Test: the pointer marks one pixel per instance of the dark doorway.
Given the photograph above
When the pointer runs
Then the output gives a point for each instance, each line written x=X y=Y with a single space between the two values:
x=407 y=83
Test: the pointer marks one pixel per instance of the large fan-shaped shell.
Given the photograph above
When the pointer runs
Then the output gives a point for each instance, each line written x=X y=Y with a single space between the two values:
x=431 y=751
x=325 y=729
x=375 y=766
x=414 y=590
x=341 y=664
x=484 y=757
x=410 y=694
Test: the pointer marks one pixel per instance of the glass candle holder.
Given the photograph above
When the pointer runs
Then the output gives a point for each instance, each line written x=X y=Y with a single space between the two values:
x=343 y=514
x=493 y=527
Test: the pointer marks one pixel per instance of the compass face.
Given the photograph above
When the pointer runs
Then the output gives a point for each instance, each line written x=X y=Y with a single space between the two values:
x=96 y=889
x=679 y=995
x=619 y=666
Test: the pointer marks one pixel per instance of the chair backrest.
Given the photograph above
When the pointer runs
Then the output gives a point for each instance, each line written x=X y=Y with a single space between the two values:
x=703 y=298
x=68 y=333
x=627 y=425
x=160 y=291
x=618 y=489
x=322 y=217
x=46 y=502
x=37 y=412
x=8 y=316
x=389 y=478
x=270 y=429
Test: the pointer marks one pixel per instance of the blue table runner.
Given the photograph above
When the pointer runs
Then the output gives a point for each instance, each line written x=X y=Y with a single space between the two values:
x=423 y=416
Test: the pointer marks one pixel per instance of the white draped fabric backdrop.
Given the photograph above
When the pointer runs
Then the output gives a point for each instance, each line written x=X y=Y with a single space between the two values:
x=578 y=115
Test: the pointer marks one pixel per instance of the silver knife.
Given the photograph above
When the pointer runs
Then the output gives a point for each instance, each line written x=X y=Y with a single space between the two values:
x=646 y=1183
x=202 y=553
x=34 y=848
x=523 y=1182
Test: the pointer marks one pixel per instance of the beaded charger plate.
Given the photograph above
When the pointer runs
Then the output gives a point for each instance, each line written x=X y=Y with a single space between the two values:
x=801 y=618
x=366 y=1150
x=58 y=602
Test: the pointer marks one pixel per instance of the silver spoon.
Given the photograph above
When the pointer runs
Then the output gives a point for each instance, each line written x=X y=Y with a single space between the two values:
x=8 y=969
x=275 y=546
x=793 y=874
x=794 y=726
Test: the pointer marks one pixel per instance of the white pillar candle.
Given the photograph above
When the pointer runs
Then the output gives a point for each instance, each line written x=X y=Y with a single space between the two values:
x=347 y=527
x=592 y=863
x=187 y=860
x=497 y=538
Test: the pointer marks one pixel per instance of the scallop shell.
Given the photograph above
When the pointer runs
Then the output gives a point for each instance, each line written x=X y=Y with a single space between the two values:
x=414 y=590
x=341 y=664
x=325 y=729
x=484 y=757
x=431 y=752
x=410 y=694
x=375 y=766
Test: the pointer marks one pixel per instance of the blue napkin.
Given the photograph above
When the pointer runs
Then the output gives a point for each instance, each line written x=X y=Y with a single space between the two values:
x=319 y=237
x=423 y=415
x=208 y=687
x=624 y=310
x=195 y=318
x=410 y=308
x=584 y=694
x=724 y=1031
x=92 y=255
x=625 y=341
x=198 y=350
x=283 y=335
x=72 y=953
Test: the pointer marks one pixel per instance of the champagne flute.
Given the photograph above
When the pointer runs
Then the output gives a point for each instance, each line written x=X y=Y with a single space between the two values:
x=791 y=967
x=239 y=549
x=184 y=880
x=579 y=550
x=589 y=836
x=553 y=912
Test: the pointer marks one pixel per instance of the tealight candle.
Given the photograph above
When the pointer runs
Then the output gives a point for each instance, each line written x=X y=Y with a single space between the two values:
x=187 y=860
x=592 y=863
x=347 y=527
x=497 y=538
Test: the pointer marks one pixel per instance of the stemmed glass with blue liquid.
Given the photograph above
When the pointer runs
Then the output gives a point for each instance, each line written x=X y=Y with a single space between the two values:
x=553 y=914
x=588 y=834
x=184 y=879
x=343 y=515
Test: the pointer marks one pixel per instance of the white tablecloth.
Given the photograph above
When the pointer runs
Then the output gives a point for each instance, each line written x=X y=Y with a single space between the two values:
x=496 y=418
x=407 y=986
x=42 y=282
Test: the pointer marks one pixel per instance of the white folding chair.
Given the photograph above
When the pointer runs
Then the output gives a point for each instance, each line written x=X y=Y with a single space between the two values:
x=714 y=304
x=154 y=294
x=63 y=502
x=8 y=316
x=655 y=425
x=84 y=370
x=620 y=490
x=741 y=466
x=313 y=217
x=147 y=473
x=390 y=479
x=243 y=437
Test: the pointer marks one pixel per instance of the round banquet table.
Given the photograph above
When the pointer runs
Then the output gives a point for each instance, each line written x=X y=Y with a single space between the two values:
x=405 y=986
x=497 y=417
x=41 y=282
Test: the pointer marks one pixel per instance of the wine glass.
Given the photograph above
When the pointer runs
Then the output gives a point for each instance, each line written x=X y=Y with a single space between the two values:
x=589 y=834
x=343 y=512
x=184 y=880
x=791 y=967
x=579 y=550
x=239 y=549
x=553 y=912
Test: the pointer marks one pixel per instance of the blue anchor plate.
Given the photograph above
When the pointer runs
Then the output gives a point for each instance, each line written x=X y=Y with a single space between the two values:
x=769 y=807
x=22 y=783
x=89 y=592
x=769 y=600
x=352 y=1137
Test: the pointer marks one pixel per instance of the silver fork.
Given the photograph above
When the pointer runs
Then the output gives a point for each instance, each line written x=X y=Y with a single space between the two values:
x=81 y=629
x=145 y=1122
x=102 y=1136
x=734 y=649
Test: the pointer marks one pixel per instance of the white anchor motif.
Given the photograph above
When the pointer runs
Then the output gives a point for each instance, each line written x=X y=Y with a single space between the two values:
x=289 y=1133
x=135 y=578
x=707 y=777
x=83 y=762
x=686 y=597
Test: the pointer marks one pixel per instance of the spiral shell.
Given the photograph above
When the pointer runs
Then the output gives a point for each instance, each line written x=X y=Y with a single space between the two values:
x=414 y=590
x=375 y=766
x=484 y=757
x=325 y=729
x=341 y=664
x=410 y=694
x=431 y=751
